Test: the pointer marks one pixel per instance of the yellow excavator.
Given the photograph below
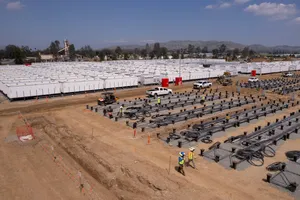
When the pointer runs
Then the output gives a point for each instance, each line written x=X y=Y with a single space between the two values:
x=225 y=79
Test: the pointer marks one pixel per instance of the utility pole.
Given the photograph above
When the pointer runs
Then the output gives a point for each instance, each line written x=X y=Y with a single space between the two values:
x=180 y=63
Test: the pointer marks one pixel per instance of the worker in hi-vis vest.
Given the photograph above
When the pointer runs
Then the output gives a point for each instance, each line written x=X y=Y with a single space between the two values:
x=181 y=163
x=120 y=114
x=158 y=101
x=191 y=158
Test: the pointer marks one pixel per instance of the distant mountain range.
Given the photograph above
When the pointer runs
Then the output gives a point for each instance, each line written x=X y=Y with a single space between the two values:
x=181 y=44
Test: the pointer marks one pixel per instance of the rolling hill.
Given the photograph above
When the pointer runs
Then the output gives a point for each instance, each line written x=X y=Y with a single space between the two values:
x=181 y=44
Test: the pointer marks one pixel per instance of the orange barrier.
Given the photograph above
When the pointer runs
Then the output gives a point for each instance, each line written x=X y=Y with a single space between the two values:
x=148 y=139
x=24 y=131
x=134 y=133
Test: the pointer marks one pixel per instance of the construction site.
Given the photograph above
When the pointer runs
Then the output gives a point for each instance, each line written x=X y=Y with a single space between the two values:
x=123 y=143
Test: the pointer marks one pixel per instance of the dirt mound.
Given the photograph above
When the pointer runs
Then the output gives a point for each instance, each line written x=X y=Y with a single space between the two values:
x=123 y=181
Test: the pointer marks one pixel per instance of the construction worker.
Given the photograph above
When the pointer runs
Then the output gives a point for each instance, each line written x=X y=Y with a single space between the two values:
x=191 y=157
x=227 y=118
x=202 y=99
x=158 y=101
x=120 y=113
x=181 y=163
x=104 y=111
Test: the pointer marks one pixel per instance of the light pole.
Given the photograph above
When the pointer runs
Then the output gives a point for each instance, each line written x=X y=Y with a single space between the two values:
x=180 y=53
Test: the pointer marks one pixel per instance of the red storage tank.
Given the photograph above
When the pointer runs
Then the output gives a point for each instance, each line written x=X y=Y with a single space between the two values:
x=178 y=81
x=165 y=82
x=253 y=73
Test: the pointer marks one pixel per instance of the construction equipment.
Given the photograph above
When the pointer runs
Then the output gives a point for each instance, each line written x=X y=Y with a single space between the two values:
x=225 y=79
x=135 y=113
x=107 y=98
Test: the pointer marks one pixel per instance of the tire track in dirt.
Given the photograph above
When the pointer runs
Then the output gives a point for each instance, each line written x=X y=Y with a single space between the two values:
x=131 y=186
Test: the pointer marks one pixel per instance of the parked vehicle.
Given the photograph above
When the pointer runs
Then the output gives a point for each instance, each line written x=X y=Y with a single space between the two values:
x=253 y=79
x=158 y=91
x=107 y=98
x=202 y=84
x=288 y=74
x=225 y=79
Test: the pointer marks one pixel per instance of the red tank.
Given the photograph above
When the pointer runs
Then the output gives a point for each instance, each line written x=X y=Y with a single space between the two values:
x=178 y=81
x=165 y=82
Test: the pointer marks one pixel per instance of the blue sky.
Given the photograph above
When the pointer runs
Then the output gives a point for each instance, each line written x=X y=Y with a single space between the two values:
x=101 y=23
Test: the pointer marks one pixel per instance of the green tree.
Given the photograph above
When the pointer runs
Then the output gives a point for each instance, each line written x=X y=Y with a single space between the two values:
x=198 y=50
x=118 y=51
x=144 y=53
x=137 y=52
x=152 y=55
x=222 y=49
x=191 y=49
x=19 y=56
x=215 y=53
x=229 y=53
x=156 y=50
x=148 y=49
x=176 y=54
x=87 y=51
x=164 y=52
x=57 y=43
x=72 y=52
x=27 y=51
x=126 y=56
x=235 y=52
x=10 y=51
x=245 y=52
x=205 y=49
x=14 y=52
x=2 y=53
x=251 y=53
x=53 y=49
x=107 y=52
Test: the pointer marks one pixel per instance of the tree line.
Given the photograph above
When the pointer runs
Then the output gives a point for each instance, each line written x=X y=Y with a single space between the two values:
x=157 y=51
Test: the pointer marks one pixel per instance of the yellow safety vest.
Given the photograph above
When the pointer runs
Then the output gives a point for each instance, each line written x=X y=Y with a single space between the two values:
x=158 y=100
x=203 y=98
x=191 y=155
x=180 y=161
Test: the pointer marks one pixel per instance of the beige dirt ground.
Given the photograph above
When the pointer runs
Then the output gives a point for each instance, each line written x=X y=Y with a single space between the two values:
x=113 y=164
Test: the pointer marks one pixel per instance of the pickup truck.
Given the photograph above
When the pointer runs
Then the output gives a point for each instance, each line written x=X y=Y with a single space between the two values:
x=202 y=84
x=288 y=74
x=253 y=79
x=158 y=91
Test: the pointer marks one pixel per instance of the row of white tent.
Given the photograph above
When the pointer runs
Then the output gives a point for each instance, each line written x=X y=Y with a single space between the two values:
x=18 y=81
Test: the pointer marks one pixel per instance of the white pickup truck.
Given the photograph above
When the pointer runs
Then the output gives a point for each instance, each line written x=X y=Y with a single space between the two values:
x=288 y=74
x=158 y=91
x=253 y=79
x=202 y=84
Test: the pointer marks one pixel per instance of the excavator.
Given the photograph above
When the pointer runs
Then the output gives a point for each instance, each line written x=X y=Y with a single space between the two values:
x=225 y=79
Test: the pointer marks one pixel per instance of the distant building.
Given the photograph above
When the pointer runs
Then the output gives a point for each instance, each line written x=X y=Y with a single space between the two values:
x=208 y=55
x=7 y=62
x=47 y=58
